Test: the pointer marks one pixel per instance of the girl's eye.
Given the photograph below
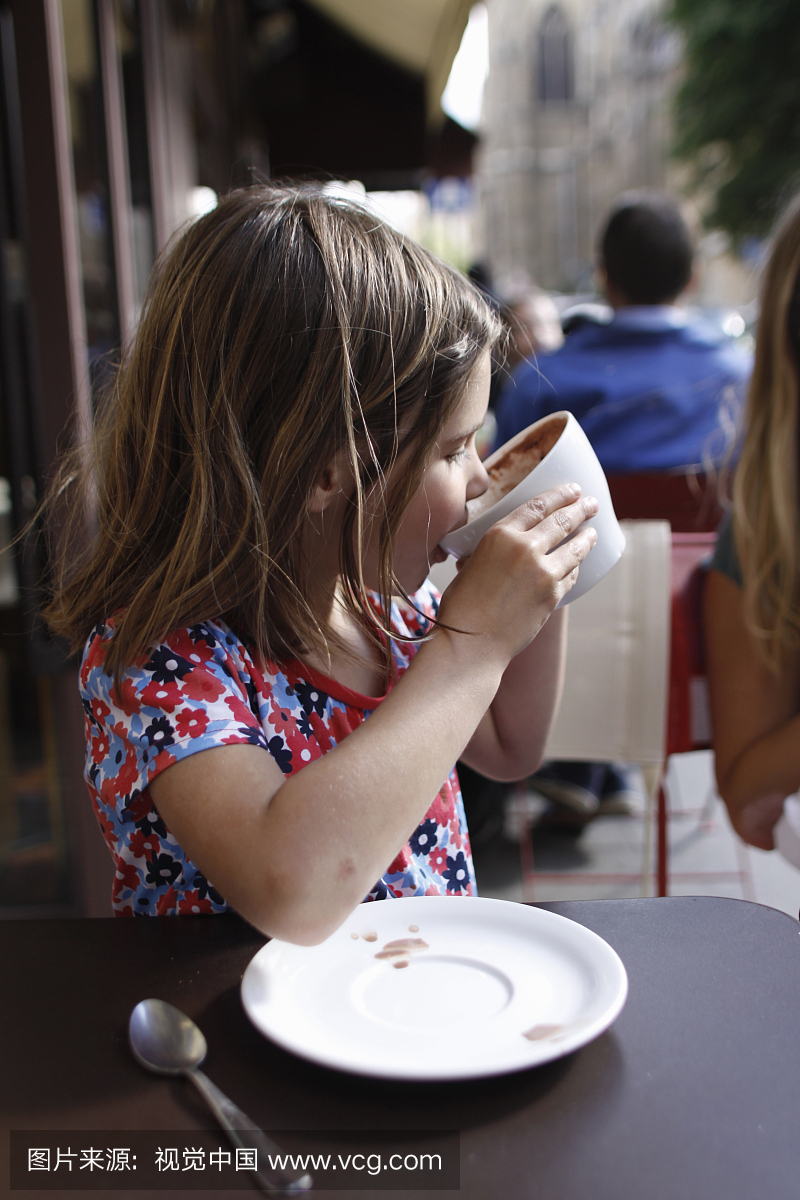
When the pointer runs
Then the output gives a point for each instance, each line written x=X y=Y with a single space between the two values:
x=459 y=455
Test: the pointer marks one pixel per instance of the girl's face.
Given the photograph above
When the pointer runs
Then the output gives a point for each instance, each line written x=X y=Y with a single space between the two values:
x=455 y=474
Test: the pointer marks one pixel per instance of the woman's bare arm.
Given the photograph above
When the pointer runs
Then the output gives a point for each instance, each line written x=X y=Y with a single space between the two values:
x=754 y=714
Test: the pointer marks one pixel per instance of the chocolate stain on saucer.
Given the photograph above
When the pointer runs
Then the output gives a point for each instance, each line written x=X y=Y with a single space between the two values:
x=558 y=1033
x=538 y=1033
x=399 y=952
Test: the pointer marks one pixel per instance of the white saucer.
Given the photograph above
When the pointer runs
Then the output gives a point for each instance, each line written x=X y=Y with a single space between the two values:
x=493 y=987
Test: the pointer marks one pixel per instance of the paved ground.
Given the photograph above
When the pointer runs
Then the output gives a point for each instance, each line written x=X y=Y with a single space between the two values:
x=606 y=859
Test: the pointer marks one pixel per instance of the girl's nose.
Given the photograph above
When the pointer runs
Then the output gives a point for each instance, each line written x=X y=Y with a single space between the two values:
x=478 y=482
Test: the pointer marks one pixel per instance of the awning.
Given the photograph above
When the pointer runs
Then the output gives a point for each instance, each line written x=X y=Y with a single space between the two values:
x=332 y=102
x=421 y=35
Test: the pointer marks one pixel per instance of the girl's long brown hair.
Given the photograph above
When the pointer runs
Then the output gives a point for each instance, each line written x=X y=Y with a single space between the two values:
x=282 y=328
x=766 y=504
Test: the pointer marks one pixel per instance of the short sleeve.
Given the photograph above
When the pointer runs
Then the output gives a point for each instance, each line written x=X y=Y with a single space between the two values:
x=191 y=693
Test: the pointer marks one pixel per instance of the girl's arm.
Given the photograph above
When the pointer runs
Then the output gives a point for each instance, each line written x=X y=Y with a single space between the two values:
x=296 y=856
x=754 y=716
x=510 y=741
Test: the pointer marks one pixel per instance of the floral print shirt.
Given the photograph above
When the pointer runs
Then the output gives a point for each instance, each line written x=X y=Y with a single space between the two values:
x=203 y=687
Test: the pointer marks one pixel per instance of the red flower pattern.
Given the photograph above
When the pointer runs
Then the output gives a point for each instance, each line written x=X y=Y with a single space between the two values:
x=191 y=722
x=99 y=748
x=165 y=696
x=201 y=685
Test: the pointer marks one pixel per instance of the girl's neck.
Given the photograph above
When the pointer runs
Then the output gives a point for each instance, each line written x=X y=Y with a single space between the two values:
x=354 y=659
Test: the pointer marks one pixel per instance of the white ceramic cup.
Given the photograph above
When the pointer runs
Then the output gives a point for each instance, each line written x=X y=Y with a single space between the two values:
x=570 y=459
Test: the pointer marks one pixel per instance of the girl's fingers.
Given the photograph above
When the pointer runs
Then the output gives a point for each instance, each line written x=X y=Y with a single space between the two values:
x=564 y=561
x=532 y=556
x=537 y=509
x=561 y=515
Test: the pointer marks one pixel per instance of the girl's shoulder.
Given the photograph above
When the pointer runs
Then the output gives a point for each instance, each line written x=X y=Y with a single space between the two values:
x=207 y=658
x=191 y=645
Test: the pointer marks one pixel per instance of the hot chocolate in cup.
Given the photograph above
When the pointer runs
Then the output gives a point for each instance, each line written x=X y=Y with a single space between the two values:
x=547 y=454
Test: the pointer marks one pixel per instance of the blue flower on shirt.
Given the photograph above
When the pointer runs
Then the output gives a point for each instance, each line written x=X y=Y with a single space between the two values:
x=457 y=873
x=204 y=888
x=162 y=869
x=200 y=633
x=304 y=724
x=251 y=735
x=423 y=839
x=159 y=733
x=311 y=698
x=166 y=666
x=281 y=753
x=151 y=824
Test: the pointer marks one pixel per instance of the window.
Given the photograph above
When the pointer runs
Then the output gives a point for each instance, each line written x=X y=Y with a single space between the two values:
x=556 y=70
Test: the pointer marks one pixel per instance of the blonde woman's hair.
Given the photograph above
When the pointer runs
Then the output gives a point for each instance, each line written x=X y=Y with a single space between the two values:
x=282 y=328
x=766 y=520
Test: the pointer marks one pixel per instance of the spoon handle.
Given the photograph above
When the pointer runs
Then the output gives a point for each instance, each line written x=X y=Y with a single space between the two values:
x=274 y=1181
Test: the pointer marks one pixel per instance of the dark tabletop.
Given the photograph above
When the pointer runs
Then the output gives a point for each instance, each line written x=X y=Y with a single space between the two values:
x=693 y=1094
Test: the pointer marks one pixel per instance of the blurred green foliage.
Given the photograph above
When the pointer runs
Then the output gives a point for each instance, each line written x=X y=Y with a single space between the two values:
x=737 y=111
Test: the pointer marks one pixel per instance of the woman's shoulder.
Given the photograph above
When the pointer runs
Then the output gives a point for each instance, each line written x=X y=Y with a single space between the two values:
x=725 y=559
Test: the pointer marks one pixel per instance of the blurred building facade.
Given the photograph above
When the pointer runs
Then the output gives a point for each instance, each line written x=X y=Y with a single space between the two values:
x=576 y=110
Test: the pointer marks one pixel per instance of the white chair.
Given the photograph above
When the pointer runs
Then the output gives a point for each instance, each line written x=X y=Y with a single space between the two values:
x=616 y=686
x=614 y=704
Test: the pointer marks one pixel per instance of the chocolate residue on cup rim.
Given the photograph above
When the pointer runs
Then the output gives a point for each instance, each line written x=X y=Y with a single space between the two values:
x=514 y=466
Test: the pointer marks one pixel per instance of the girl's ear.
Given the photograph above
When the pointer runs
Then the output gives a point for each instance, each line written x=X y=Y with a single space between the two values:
x=336 y=480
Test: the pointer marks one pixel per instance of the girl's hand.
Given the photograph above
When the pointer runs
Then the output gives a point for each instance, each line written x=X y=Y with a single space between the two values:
x=516 y=576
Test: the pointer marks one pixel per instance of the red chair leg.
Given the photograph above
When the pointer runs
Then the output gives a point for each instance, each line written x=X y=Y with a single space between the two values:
x=662 y=849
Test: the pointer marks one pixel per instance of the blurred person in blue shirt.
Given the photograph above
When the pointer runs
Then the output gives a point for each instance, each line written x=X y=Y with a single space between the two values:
x=653 y=390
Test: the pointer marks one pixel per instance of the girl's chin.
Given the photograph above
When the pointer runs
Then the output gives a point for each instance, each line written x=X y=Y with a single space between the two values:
x=413 y=578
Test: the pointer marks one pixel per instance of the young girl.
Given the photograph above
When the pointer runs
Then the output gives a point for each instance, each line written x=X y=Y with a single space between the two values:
x=287 y=440
x=752 y=595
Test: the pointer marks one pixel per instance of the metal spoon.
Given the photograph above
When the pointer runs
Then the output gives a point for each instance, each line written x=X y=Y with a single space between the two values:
x=165 y=1040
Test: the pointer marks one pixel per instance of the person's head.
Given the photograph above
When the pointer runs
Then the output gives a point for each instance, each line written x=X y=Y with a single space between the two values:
x=646 y=249
x=766 y=494
x=286 y=334
x=534 y=324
